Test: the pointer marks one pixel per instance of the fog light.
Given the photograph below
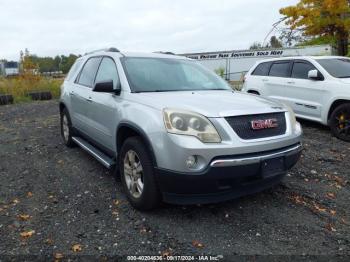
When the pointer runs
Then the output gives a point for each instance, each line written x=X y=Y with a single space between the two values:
x=191 y=161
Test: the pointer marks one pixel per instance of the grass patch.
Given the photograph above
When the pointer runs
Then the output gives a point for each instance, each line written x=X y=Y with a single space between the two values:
x=20 y=86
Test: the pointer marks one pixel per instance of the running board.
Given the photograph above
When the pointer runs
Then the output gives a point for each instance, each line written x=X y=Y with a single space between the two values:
x=100 y=156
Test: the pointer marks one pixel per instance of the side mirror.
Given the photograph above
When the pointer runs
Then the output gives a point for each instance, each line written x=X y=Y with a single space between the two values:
x=315 y=75
x=106 y=87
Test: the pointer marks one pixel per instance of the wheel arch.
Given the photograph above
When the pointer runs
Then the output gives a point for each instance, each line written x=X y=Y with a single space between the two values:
x=126 y=130
x=335 y=104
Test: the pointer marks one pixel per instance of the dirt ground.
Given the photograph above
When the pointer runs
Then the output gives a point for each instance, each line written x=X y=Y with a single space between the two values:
x=58 y=202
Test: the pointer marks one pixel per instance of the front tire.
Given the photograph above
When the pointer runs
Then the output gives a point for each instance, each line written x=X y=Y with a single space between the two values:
x=137 y=175
x=66 y=128
x=340 y=122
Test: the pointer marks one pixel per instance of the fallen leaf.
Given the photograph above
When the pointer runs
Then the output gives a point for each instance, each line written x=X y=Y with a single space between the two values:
x=23 y=217
x=29 y=194
x=166 y=253
x=330 y=227
x=27 y=234
x=116 y=202
x=60 y=162
x=333 y=212
x=197 y=244
x=339 y=180
x=330 y=195
x=319 y=209
x=76 y=248
x=15 y=201
x=143 y=230
x=49 y=241
x=344 y=221
x=58 y=256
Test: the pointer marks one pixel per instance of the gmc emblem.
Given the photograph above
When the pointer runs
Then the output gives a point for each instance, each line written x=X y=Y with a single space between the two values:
x=264 y=124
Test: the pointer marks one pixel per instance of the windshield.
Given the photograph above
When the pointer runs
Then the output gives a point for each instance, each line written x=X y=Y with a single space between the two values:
x=164 y=74
x=337 y=67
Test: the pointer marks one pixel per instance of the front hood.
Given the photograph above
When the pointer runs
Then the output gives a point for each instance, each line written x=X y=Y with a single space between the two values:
x=345 y=80
x=215 y=103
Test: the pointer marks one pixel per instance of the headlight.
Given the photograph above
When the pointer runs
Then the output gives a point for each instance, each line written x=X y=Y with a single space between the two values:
x=292 y=116
x=295 y=125
x=190 y=124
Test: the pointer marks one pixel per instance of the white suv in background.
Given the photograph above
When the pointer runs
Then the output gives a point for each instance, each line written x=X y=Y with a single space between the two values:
x=316 y=88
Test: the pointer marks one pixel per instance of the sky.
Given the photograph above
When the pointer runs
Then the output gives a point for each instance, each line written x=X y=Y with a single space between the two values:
x=48 y=28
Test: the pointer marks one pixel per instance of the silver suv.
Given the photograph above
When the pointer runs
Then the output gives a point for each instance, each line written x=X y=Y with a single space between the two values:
x=174 y=130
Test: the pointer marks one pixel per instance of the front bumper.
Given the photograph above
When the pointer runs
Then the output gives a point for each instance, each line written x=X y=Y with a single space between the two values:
x=228 y=177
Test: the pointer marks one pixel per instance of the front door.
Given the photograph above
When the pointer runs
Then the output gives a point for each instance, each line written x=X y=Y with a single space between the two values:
x=304 y=94
x=104 y=106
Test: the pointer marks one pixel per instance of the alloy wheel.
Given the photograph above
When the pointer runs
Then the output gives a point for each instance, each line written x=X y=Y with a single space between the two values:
x=133 y=174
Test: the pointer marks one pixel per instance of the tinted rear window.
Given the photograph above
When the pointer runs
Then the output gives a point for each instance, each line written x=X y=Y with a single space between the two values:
x=262 y=69
x=280 y=69
x=301 y=70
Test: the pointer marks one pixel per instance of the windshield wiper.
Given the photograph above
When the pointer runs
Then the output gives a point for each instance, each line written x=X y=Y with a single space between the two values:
x=343 y=76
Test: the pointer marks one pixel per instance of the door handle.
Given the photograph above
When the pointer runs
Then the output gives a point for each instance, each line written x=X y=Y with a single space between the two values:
x=89 y=99
x=71 y=93
x=290 y=82
x=265 y=80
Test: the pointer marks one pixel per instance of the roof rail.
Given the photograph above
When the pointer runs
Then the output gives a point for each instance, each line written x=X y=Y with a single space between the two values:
x=111 y=49
x=165 y=53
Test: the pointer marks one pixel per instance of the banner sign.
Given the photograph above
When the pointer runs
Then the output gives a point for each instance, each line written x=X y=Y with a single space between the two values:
x=241 y=54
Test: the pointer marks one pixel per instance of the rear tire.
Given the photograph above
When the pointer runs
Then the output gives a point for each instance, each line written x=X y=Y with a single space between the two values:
x=137 y=175
x=66 y=128
x=339 y=122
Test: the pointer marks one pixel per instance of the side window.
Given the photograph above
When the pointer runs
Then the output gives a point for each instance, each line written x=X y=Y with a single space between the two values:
x=301 y=69
x=73 y=70
x=88 y=73
x=262 y=69
x=107 y=71
x=280 y=69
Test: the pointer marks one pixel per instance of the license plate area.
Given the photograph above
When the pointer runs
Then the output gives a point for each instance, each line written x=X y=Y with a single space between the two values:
x=272 y=167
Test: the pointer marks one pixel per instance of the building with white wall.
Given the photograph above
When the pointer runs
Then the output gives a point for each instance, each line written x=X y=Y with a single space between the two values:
x=237 y=62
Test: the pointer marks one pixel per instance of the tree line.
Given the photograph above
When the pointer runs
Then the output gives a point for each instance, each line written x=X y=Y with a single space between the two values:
x=311 y=22
x=48 y=64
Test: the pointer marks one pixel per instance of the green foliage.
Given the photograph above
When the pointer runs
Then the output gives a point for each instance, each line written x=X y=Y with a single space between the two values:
x=47 y=64
x=321 y=40
x=321 y=18
x=274 y=42
x=20 y=86
x=256 y=45
x=220 y=71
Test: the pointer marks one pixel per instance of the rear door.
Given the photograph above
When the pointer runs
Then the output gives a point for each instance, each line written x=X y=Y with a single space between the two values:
x=256 y=80
x=303 y=94
x=81 y=94
x=105 y=107
x=276 y=81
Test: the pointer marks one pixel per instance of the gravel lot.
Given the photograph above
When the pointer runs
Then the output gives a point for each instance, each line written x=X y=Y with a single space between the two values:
x=56 y=201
